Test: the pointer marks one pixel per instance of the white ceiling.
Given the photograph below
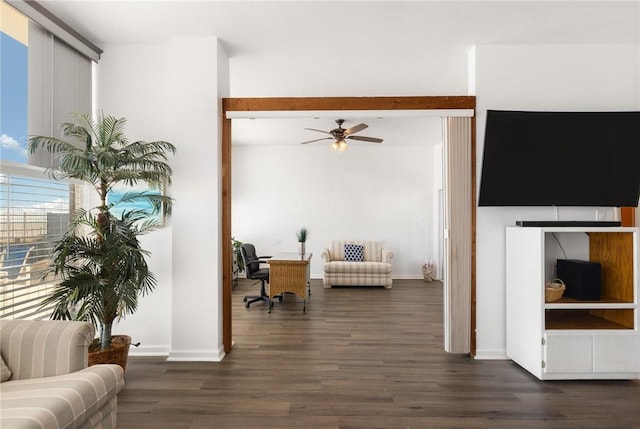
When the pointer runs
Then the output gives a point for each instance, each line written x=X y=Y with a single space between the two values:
x=345 y=31
x=257 y=26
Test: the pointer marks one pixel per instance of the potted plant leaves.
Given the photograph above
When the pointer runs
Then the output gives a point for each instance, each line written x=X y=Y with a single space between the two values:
x=100 y=266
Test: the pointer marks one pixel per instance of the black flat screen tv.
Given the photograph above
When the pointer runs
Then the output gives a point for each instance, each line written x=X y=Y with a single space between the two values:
x=561 y=159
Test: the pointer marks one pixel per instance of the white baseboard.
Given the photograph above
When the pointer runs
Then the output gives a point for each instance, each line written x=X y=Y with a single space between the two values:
x=149 y=350
x=176 y=356
x=197 y=355
x=491 y=355
x=410 y=277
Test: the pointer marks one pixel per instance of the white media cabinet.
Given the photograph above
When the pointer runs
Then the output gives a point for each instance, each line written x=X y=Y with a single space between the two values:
x=571 y=339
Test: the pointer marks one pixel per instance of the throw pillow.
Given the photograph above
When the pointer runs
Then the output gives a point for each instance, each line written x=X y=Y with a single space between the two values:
x=5 y=371
x=353 y=253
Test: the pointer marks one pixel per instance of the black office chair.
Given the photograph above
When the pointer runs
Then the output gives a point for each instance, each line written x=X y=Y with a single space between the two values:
x=254 y=272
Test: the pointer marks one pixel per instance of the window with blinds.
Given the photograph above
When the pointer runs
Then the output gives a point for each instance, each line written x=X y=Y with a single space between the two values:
x=34 y=214
x=49 y=66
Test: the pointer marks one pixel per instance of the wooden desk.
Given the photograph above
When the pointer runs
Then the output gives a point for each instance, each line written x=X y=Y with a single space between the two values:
x=290 y=272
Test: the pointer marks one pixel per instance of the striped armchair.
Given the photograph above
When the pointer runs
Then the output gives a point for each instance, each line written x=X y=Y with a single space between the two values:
x=49 y=384
x=372 y=267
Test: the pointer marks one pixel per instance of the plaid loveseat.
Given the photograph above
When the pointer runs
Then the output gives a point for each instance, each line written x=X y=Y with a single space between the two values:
x=46 y=380
x=357 y=263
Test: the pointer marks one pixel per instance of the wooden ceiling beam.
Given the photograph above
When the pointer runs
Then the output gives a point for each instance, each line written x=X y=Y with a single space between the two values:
x=348 y=103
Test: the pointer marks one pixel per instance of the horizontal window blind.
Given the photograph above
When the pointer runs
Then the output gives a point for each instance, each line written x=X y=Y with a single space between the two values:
x=34 y=213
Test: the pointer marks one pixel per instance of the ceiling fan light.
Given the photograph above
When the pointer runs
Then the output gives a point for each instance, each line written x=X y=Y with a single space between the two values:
x=335 y=145
x=342 y=145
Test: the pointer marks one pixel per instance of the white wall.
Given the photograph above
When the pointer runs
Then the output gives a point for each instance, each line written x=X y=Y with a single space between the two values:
x=438 y=209
x=172 y=92
x=439 y=68
x=194 y=103
x=536 y=77
x=368 y=192
x=127 y=77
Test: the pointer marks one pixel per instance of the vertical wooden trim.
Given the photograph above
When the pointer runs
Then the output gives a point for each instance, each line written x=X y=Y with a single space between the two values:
x=472 y=339
x=628 y=216
x=227 y=274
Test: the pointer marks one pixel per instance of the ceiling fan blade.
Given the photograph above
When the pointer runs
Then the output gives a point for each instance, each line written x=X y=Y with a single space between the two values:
x=365 y=139
x=355 y=129
x=320 y=131
x=317 y=140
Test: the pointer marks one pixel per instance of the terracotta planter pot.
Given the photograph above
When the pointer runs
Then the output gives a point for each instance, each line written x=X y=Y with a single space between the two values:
x=118 y=353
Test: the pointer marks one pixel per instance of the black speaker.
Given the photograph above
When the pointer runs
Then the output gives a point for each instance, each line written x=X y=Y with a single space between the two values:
x=582 y=278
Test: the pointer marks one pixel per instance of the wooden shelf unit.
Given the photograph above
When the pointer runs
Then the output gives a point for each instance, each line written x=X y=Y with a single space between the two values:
x=569 y=338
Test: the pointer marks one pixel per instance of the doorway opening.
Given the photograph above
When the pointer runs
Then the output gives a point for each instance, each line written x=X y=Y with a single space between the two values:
x=448 y=106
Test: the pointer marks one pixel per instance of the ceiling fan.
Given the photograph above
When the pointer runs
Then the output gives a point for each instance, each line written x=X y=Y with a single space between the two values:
x=339 y=135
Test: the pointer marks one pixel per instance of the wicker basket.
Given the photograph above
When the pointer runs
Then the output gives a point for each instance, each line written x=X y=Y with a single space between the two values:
x=553 y=290
x=118 y=353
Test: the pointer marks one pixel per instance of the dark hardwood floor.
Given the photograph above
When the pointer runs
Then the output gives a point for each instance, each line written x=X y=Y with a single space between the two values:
x=359 y=358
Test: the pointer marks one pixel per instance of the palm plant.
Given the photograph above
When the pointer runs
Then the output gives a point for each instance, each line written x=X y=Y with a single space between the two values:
x=100 y=262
